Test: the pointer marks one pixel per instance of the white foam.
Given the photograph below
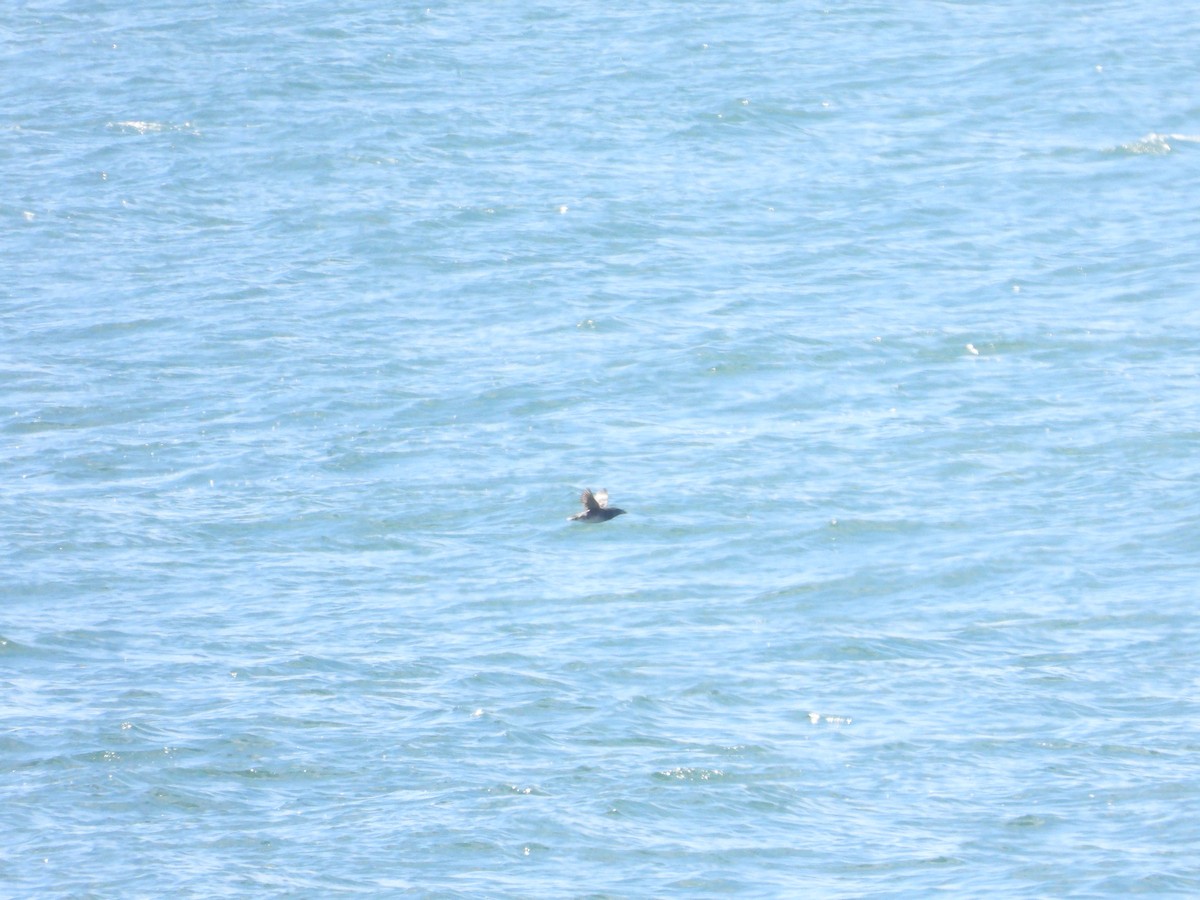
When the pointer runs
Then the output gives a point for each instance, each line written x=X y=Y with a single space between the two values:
x=1158 y=144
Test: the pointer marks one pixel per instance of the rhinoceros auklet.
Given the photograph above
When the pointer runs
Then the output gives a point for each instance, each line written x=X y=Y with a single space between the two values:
x=595 y=508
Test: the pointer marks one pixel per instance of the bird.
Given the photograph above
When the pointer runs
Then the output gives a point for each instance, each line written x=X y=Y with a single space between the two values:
x=595 y=508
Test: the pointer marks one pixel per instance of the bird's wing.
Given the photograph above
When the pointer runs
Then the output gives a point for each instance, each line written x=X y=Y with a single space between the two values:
x=589 y=500
x=601 y=497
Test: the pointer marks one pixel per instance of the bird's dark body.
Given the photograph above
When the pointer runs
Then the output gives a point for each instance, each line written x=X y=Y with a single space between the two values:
x=596 y=508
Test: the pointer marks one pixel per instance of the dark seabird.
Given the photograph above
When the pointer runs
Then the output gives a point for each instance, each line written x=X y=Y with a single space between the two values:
x=596 y=508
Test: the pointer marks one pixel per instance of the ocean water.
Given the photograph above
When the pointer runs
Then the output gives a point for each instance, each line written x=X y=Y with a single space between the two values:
x=882 y=322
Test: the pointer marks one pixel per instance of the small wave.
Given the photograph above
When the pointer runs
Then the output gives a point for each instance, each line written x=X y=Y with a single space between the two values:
x=1156 y=144
x=688 y=773
x=137 y=127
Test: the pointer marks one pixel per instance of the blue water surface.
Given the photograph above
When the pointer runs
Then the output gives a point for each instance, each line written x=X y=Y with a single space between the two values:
x=881 y=321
